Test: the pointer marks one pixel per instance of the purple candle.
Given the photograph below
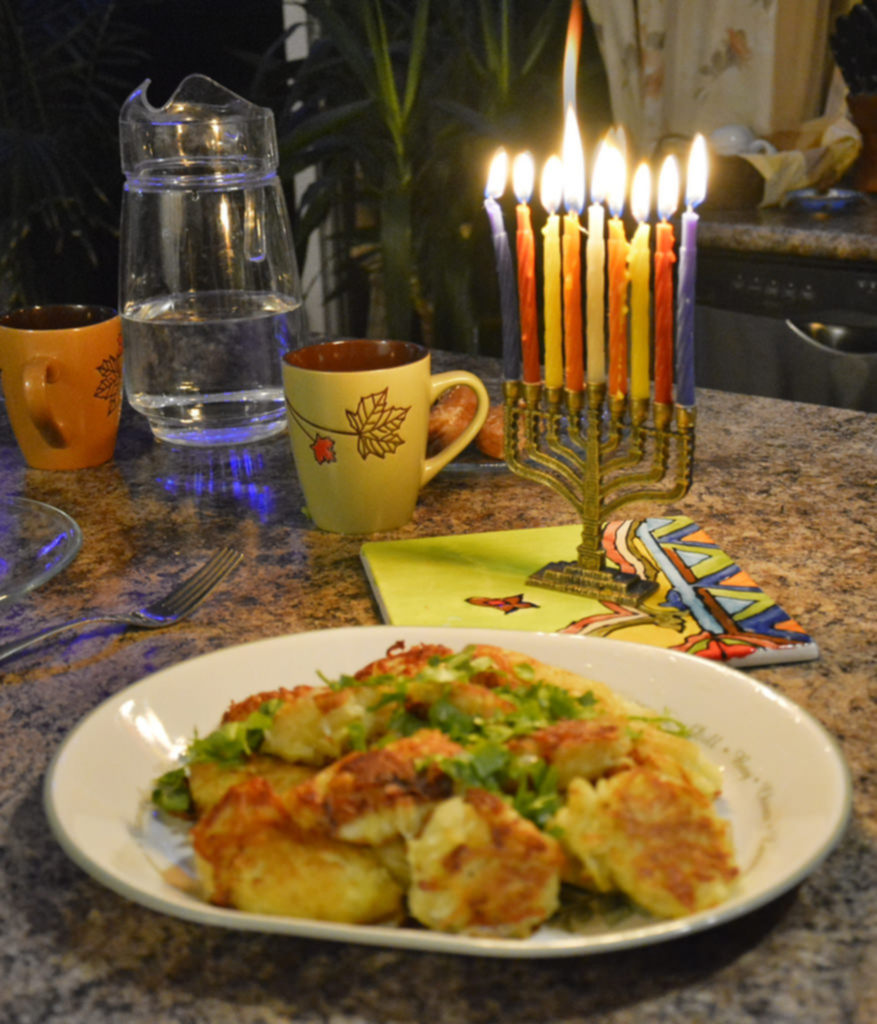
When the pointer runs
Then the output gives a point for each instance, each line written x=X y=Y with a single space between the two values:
x=508 y=292
x=685 y=294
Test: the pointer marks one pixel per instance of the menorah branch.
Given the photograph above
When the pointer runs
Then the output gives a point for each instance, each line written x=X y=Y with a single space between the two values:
x=599 y=454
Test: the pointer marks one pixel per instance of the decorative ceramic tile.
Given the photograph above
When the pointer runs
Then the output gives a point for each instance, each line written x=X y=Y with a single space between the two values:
x=705 y=603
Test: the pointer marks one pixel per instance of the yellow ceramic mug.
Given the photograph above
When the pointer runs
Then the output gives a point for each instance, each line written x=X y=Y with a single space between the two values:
x=358 y=413
x=62 y=376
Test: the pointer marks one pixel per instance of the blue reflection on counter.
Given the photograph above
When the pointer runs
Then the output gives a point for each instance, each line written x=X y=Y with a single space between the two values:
x=237 y=473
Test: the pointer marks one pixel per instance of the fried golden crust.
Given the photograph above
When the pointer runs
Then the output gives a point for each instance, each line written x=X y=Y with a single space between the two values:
x=316 y=727
x=658 y=840
x=289 y=837
x=479 y=867
x=209 y=781
x=376 y=795
x=508 y=662
x=582 y=747
x=473 y=698
x=676 y=757
x=240 y=710
x=251 y=855
x=401 y=662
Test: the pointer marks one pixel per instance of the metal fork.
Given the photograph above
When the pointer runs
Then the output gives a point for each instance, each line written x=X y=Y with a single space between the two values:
x=176 y=605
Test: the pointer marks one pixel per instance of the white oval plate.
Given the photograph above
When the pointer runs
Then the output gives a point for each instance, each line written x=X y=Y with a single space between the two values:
x=786 y=786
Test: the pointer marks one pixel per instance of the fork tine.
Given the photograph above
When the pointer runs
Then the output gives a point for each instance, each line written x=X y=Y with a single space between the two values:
x=193 y=590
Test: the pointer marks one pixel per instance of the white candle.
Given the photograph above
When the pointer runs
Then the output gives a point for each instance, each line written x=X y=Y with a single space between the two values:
x=595 y=254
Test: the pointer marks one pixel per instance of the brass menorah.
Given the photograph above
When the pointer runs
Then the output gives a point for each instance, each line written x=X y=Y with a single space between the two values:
x=599 y=453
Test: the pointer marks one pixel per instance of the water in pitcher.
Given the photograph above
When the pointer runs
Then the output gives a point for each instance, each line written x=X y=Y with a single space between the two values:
x=205 y=367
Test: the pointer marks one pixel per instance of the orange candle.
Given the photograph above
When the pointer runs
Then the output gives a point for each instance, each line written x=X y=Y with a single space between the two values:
x=572 y=303
x=574 y=199
x=665 y=257
x=617 y=248
x=552 y=187
x=522 y=177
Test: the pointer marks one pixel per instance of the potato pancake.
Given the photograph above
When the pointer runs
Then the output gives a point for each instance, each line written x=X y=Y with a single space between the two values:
x=656 y=839
x=457 y=788
x=251 y=855
x=478 y=867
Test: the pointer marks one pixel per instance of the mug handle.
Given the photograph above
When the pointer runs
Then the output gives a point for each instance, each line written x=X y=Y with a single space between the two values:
x=440 y=383
x=37 y=375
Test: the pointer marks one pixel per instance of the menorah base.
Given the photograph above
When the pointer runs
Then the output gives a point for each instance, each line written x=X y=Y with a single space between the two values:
x=572 y=578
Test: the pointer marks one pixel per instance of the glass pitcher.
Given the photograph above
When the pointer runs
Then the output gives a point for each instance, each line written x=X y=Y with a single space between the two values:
x=209 y=288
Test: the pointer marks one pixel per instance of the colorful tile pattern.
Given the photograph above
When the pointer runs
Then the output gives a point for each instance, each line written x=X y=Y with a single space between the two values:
x=705 y=603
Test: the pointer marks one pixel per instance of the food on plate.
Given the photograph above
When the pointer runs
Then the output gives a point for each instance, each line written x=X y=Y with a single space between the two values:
x=467 y=791
x=251 y=854
x=490 y=438
x=453 y=412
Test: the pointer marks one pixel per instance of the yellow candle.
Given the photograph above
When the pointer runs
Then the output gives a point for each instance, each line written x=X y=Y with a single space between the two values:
x=639 y=266
x=616 y=248
x=595 y=255
x=552 y=182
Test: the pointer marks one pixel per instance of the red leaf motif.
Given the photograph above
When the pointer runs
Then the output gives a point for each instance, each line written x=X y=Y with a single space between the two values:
x=323 y=449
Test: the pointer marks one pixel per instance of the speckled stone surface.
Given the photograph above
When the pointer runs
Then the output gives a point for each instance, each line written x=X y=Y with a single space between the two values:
x=848 y=234
x=787 y=489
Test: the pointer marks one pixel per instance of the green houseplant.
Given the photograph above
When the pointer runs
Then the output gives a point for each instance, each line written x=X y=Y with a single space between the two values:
x=62 y=68
x=399 y=105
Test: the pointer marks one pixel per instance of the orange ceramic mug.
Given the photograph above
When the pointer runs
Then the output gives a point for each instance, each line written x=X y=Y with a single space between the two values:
x=61 y=368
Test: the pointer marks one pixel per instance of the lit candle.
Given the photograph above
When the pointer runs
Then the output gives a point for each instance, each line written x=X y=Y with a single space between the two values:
x=596 y=270
x=617 y=250
x=511 y=346
x=523 y=174
x=665 y=257
x=695 y=191
x=551 y=189
x=574 y=200
x=639 y=268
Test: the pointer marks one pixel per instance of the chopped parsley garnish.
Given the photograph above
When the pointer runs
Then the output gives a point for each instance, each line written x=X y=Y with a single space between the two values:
x=528 y=783
x=665 y=723
x=522 y=704
x=231 y=743
x=171 y=792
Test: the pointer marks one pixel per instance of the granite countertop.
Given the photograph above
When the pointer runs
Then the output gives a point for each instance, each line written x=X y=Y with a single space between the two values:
x=849 y=233
x=787 y=489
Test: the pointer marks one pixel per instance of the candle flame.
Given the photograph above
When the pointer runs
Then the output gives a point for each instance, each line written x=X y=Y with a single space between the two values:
x=602 y=170
x=523 y=176
x=617 y=180
x=668 y=188
x=552 y=183
x=695 y=184
x=641 y=193
x=618 y=137
x=571 y=54
x=497 y=175
x=573 y=164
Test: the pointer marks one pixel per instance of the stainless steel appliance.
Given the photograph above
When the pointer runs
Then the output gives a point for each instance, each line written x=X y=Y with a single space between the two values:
x=789 y=327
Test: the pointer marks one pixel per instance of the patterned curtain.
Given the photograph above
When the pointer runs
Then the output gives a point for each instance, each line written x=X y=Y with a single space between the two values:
x=679 y=66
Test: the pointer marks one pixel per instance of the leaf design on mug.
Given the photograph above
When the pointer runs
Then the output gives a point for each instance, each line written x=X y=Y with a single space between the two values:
x=377 y=425
x=110 y=387
x=323 y=449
